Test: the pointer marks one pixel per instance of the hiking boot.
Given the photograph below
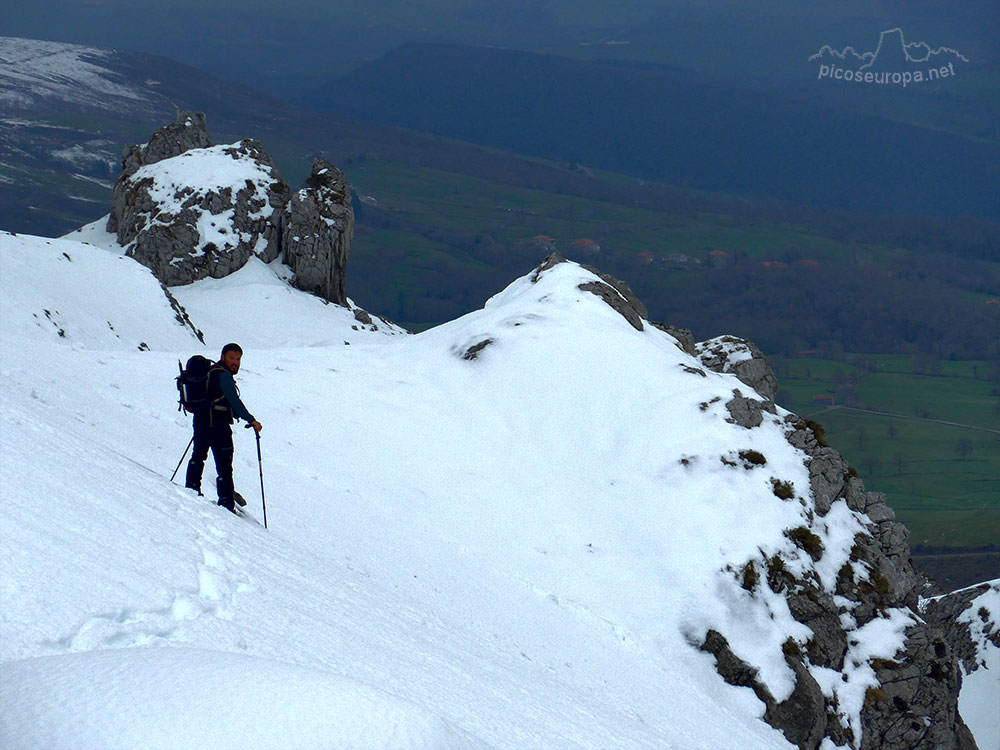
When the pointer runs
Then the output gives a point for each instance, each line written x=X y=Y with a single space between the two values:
x=227 y=503
x=239 y=499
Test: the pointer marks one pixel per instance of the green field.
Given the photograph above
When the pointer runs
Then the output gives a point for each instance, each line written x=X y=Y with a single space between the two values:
x=943 y=480
x=431 y=197
x=430 y=224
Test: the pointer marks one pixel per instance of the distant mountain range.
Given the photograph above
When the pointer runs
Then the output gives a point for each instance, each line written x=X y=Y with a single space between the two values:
x=659 y=124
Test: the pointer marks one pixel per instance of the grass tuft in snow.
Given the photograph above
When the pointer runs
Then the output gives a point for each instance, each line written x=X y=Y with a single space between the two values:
x=807 y=541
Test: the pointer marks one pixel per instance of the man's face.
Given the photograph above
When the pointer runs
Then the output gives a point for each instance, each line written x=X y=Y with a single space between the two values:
x=231 y=361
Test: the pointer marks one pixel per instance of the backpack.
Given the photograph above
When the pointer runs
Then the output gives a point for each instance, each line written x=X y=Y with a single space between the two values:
x=192 y=384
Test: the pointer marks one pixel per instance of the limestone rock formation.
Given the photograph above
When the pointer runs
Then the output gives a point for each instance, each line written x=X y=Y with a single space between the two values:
x=913 y=702
x=743 y=359
x=188 y=210
x=188 y=131
x=317 y=228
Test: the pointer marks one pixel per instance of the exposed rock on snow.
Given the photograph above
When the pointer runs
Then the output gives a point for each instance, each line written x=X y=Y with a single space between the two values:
x=189 y=210
x=967 y=627
x=617 y=302
x=743 y=359
x=620 y=297
x=802 y=716
x=317 y=228
x=746 y=411
x=683 y=335
x=907 y=698
x=916 y=702
x=188 y=131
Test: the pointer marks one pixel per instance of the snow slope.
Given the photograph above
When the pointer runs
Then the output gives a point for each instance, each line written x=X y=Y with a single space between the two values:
x=508 y=544
x=32 y=70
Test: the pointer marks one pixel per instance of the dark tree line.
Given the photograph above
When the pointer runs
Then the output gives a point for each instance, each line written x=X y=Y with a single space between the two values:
x=834 y=307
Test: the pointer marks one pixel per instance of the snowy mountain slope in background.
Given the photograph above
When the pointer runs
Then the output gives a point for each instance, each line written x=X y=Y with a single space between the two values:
x=67 y=111
x=40 y=78
x=33 y=72
x=510 y=529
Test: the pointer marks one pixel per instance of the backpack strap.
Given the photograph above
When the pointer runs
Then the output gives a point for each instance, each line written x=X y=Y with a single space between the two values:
x=217 y=399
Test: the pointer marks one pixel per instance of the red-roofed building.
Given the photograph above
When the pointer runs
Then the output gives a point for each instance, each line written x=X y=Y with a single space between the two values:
x=544 y=242
x=586 y=246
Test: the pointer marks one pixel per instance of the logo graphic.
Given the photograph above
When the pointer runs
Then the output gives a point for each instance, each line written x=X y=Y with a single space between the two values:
x=894 y=62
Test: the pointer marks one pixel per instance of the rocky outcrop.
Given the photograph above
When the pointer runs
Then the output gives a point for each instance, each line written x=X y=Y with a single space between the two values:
x=954 y=612
x=746 y=411
x=202 y=213
x=685 y=340
x=188 y=131
x=615 y=292
x=916 y=703
x=615 y=300
x=913 y=703
x=188 y=210
x=630 y=307
x=802 y=716
x=317 y=227
x=743 y=359
x=885 y=548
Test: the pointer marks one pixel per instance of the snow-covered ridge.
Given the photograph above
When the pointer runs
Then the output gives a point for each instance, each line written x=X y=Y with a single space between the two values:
x=86 y=294
x=67 y=291
x=523 y=523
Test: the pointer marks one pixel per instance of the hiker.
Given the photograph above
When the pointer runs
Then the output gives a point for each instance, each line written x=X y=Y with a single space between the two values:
x=212 y=427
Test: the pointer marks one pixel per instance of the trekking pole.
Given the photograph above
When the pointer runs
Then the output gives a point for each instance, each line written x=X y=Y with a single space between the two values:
x=260 y=464
x=182 y=459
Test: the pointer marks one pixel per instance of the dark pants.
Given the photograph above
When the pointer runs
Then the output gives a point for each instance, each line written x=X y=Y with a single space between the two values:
x=216 y=434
